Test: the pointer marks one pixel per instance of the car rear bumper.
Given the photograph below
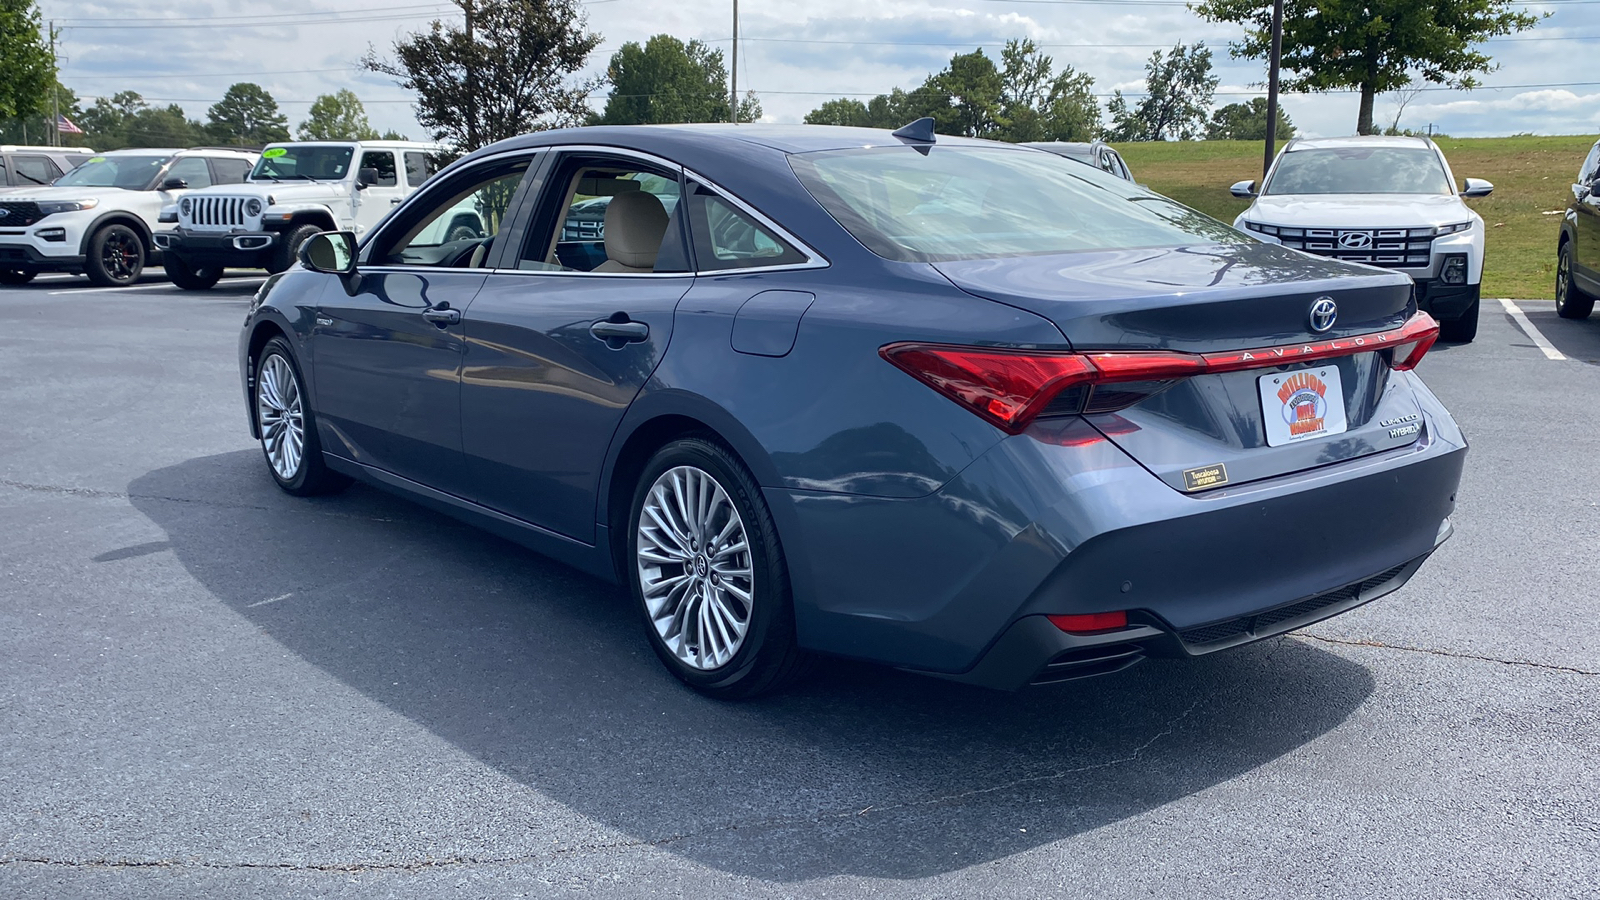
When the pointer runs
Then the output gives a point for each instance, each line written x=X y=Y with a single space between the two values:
x=244 y=250
x=958 y=583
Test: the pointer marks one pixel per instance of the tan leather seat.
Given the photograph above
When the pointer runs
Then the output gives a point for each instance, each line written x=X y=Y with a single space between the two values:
x=635 y=224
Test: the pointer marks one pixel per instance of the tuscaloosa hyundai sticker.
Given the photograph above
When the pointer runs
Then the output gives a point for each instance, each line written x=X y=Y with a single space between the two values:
x=1302 y=405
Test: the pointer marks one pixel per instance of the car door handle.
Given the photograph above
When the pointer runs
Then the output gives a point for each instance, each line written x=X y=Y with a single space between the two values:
x=394 y=201
x=442 y=315
x=615 y=334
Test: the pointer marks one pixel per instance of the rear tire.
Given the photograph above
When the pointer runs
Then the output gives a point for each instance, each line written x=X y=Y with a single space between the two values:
x=1571 y=301
x=712 y=584
x=188 y=277
x=116 y=256
x=13 y=276
x=1463 y=328
x=288 y=426
x=287 y=252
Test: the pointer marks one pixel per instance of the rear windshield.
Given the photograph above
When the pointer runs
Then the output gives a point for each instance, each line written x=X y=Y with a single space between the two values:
x=135 y=173
x=980 y=203
x=304 y=162
x=1360 y=170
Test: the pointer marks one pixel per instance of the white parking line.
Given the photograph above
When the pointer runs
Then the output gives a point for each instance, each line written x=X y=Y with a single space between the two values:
x=140 y=287
x=1521 y=318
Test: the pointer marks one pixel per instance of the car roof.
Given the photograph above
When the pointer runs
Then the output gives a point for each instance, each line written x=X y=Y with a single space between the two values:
x=1364 y=140
x=374 y=144
x=784 y=138
x=30 y=148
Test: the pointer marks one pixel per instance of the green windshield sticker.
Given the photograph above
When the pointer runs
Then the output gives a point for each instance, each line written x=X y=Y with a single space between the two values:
x=98 y=159
x=274 y=152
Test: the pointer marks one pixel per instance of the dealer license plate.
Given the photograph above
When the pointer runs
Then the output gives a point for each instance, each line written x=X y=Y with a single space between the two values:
x=1302 y=405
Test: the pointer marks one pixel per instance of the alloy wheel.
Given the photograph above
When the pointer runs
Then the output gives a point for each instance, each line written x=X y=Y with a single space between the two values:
x=1563 y=276
x=695 y=567
x=280 y=416
x=119 y=254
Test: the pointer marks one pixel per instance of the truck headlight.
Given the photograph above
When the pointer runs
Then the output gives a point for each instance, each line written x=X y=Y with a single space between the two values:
x=1454 y=270
x=252 y=207
x=51 y=207
x=186 y=206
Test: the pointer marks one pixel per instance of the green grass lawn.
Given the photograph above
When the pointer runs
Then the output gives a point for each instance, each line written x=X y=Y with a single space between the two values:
x=1531 y=175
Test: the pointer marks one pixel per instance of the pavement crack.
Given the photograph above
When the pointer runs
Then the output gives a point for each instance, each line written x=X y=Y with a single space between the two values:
x=1551 y=667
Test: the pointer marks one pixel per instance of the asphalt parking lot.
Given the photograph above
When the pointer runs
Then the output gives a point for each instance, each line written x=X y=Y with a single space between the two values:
x=211 y=689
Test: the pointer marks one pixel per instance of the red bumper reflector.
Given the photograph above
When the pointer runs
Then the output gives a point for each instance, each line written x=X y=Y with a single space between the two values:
x=1089 y=623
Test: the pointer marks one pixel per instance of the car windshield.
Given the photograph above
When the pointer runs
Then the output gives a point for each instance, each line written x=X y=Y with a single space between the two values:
x=304 y=162
x=134 y=173
x=1360 y=170
x=979 y=202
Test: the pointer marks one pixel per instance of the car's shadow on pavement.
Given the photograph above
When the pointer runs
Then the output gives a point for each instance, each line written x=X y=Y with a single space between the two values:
x=544 y=674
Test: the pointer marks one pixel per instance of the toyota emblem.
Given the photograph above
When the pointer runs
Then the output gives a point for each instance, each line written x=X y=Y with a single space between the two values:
x=1323 y=313
x=1355 y=240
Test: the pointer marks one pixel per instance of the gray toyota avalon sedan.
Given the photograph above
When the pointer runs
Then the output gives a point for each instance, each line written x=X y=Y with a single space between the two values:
x=963 y=408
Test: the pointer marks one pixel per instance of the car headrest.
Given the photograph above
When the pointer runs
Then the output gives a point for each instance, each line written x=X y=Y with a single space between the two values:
x=635 y=223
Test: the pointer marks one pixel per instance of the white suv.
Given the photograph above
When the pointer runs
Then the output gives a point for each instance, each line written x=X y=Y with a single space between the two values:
x=97 y=219
x=298 y=189
x=1383 y=201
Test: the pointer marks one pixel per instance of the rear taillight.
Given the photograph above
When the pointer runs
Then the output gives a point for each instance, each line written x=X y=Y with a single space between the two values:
x=1011 y=388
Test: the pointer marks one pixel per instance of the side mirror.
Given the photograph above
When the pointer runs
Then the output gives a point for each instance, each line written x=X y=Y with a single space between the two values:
x=1582 y=192
x=366 y=177
x=1477 y=187
x=1244 y=190
x=331 y=252
x=174 y=184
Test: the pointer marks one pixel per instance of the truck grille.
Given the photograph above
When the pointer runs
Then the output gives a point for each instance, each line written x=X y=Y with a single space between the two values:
x=1395 y=248
x=18 y=213
x=216 y=213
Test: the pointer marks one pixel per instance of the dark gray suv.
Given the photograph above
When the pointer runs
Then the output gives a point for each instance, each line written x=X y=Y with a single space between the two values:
x=1578 y=248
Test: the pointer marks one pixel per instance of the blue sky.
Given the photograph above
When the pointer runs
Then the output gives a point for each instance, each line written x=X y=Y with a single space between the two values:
x=794 y=55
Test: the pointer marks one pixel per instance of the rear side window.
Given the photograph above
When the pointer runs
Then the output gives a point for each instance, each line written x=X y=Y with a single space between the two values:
x=383 y=161
x=418 y=168
x=1591 y=166
x=231 y=171
x=726 y=237
x=34 y=169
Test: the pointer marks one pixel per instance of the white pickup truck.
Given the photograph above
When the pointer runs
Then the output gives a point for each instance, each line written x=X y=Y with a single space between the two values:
x=298 y=189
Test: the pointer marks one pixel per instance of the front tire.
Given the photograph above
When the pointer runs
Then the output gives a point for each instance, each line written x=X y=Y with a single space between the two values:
x=708 y=574
x=287 y=252
x=287 y=426
x=1463 y=328
x=116 y=256
x=188 y=277
x=14 y=276
x=1571 y=301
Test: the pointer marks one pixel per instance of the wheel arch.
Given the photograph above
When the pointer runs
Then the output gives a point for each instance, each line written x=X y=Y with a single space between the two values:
x=319 y=216
x=265 y=330
x=119 y=217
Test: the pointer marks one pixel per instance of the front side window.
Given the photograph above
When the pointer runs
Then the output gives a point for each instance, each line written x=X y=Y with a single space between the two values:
x=979 y=203
x=193 y=170
x=604 y=215
x=1591 y=166
x=726 y=237
x=34 y=169
x=231 y=171
x=1360 y=170
x=382 y=161
x=134 y=173
x=456 y=225
x=303 y=162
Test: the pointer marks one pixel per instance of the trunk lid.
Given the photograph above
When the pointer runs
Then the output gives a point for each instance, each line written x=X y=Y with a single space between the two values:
x=1211 y=430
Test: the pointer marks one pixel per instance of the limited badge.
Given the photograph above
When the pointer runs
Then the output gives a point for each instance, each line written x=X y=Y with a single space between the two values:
x=1205 y=477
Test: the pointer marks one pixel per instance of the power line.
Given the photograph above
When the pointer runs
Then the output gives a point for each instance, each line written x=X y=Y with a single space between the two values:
x=285 y=15
x=176 y=25
x=1485 y=87
x=1093 y=46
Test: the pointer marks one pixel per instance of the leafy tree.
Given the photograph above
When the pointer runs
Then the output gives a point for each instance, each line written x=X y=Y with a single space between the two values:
x=338 y=116
x=1036 y=105
x=1247 y=122
x=1178 y=90
x=37 y=127
x=27 y=70
x=971 y=87
x=508 y=70
x=667 y=81
x=1372 y=45
x=126 y=120
x=392 y=135
x=247 y=115
x=843 y=111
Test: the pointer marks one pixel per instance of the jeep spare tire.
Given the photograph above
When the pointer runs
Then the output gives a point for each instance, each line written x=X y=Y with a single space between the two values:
x=287 y=252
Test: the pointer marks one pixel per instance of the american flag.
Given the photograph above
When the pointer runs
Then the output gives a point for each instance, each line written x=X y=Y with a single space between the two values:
x=65 y=126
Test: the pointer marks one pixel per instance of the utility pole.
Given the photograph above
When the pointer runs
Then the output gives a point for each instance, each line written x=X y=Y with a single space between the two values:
x=733 y=99
x=472 y=88
x=1272 y=89
x=55 y=90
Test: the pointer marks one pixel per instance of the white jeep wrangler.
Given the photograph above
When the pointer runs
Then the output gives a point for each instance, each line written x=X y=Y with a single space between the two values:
x=298 y=189
x=1383 y=201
